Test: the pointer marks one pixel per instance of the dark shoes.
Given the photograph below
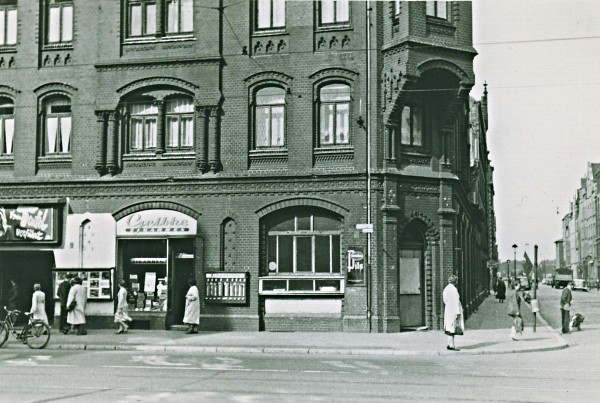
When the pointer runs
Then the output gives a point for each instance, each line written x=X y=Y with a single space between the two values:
x=452 y=348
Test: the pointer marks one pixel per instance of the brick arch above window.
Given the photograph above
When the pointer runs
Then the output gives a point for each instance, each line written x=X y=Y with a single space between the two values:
x=269 y=78
x=445 y=65
x=8 y=92
x=55 y=87
x=302 y=201
x=332 y=73
x=177 y=85
x=162 y=205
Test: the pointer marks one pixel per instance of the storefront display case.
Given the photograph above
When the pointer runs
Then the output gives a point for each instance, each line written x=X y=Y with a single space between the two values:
x=97 y=282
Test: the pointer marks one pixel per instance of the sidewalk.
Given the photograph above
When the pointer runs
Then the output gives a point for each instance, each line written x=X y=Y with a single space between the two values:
x=487 y=332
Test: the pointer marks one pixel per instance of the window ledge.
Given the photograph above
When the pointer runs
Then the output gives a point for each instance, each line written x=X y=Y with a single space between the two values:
x=139 y=156
x=55 y=158
x=159 y=39
x=58 y=46
x=7 y=159
x=179 y=155
x=335 y=27
x=270 y=32
x=270 y=152
x=8 y=48
x=334 y=150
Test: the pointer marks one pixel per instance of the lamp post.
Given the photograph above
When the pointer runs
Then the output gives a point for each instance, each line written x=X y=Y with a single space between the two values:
x=514 y=248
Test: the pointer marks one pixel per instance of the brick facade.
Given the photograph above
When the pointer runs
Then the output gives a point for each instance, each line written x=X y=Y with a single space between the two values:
x=422 y=196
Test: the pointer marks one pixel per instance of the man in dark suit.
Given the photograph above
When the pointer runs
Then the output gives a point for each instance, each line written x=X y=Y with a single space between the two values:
x=63 y=295
x=565 y=307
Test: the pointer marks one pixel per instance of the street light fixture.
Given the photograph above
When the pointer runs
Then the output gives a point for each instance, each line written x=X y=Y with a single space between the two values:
x=514 y=248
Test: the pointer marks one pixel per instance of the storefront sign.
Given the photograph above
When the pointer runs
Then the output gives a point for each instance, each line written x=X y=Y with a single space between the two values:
x=356 y=265
x=156 y=223
x=24 y=224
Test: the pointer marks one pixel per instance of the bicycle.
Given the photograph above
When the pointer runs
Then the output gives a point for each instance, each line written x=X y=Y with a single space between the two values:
x=36 y=334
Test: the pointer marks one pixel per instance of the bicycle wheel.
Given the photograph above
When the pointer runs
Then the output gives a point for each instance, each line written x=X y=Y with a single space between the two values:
x=37 y=334
x=3 y=333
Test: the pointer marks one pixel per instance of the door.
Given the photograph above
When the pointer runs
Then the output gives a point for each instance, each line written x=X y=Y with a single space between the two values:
x=181 y=269
x=410 y=288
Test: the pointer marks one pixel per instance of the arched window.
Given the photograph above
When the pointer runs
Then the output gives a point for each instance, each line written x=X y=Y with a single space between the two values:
x=142 y=126
x=7 y=126
x=269 y=117
x=303 y=242
x=334 y=111
x=57 y=124
x=180 y=123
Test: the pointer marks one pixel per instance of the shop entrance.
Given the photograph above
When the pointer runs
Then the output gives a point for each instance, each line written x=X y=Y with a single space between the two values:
x=411 y=274
x=157 y=271
x=26 y=268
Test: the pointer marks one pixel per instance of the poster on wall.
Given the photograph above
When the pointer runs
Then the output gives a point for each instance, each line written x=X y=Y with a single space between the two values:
x=98 y=283
x=28 y=224
x=356 y=265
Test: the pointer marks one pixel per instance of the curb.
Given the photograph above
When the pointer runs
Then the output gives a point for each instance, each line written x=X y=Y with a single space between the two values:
x=562 y=344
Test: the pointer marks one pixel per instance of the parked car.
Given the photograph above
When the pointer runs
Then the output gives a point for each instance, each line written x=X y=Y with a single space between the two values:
x=548 y=279
x=525 y=282
x=580 y=284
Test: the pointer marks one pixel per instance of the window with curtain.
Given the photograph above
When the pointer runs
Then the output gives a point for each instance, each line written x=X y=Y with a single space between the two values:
x=334 y=11
x=334 y=115
x=8 y=23
x=7 y=126
x=143 y=117
x=269 y=117
x=141 y=18
x=411 y=130
x=437 y=9
x=180 y=16
x=60 y=22
x=304 y=242
x=270 y=14
x=57 y=127
x=179 y=123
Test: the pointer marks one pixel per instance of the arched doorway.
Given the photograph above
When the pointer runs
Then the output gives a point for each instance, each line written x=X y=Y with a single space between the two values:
x=411 y=276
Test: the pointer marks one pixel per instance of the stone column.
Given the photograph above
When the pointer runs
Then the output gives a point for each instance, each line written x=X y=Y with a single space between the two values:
x=112 y=143
x=160 y=18
x=160 y=126
x=101 y=156
x=214 y=140
x=200 y=133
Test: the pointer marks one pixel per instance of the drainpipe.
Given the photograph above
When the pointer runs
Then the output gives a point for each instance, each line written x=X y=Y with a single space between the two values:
x=368 y=128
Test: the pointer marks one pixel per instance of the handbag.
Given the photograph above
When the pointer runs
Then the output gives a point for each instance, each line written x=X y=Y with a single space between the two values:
x=458 y=329
x=72 y=305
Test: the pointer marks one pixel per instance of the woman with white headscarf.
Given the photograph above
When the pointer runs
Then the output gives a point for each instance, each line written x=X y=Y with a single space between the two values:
x=38 y=304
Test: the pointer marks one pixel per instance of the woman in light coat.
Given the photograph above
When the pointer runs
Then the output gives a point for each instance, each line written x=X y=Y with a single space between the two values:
x=192 y=308
x=76 y=315
x=38 y=304
x=453 y=312
x=122 y=312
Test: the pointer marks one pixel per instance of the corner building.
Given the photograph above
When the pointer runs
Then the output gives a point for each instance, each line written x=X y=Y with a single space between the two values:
x=228 y=141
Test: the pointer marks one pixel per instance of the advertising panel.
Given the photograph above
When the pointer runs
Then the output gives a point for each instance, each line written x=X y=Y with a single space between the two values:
x=28 y=224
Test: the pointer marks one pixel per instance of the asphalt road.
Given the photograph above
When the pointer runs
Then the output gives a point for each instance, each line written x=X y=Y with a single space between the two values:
x=96 y=376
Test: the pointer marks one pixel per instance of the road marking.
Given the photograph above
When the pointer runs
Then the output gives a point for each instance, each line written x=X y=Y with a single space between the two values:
x=157 y=360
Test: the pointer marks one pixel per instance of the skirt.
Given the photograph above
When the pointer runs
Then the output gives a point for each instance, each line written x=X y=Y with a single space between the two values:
x=122 y=316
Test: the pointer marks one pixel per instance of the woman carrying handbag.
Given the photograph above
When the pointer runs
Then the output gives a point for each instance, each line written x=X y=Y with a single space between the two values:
x=454 y=323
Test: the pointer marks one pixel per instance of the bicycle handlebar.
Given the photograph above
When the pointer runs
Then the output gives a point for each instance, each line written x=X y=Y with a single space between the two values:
x=17 y=312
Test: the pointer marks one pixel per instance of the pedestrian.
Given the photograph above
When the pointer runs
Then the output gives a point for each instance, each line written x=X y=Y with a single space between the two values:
x=38 y=304
x=501 y=290
x=63 y=296
x=514 y=311
x=122 y=312
x=192 y=308
x=454 y=323
x=76 y=306
x=565 y=306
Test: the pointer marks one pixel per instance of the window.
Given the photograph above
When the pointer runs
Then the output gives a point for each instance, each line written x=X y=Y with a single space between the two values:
x=304 y=242
x=270 y=14
x=142 y=18
x=437 y=9
x=7 y=126
x=334 y=111
x=57 y=115
x=8 y=23
x=142 y=126
x=180 y=16
x=412 y=126
x=60 y=22
x=269 y=117
x=180 y=123
x=397 y=7
x=335 y=11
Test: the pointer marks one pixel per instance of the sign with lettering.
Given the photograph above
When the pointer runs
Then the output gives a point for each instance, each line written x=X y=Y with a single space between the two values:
x=28 y=224
x=356 y=265
x=156 y=223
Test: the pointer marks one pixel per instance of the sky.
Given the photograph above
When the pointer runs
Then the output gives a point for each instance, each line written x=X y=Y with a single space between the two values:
x=541 y=61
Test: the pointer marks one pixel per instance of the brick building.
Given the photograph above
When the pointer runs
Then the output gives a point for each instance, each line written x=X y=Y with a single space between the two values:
x=159 y=140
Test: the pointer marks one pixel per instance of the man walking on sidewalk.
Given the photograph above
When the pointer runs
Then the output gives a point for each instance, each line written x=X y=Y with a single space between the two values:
x=565 y=307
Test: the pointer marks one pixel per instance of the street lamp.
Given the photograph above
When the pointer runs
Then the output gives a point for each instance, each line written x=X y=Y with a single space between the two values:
x=514 y=248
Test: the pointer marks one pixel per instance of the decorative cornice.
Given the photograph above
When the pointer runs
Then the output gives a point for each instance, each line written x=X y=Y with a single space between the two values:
x=153 y=63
